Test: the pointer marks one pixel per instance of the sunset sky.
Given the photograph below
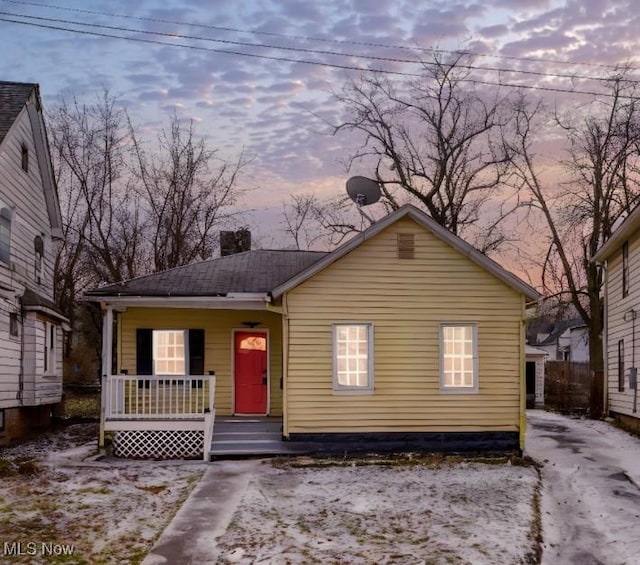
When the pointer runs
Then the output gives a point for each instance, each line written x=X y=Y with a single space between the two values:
x=259 y=74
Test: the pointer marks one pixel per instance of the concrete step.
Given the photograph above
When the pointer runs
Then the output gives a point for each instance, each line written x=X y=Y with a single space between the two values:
x=258 y=448
x=246 y=436
x=247 y=427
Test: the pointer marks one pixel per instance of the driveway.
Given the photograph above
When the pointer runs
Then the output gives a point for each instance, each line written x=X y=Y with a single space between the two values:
x=591 y=490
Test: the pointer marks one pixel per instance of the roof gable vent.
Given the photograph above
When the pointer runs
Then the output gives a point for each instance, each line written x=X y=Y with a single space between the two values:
x=406 y=245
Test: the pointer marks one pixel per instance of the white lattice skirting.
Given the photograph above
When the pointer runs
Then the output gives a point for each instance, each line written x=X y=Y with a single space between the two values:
x=166 y=444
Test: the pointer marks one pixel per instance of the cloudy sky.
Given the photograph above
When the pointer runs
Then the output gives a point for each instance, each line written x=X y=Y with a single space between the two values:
x=258 y=74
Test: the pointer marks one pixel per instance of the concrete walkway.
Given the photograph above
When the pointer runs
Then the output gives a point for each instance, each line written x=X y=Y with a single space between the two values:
x=190 y=538
x=591 y=490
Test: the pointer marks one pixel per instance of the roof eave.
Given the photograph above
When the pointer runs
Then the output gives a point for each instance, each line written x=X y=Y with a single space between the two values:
x=630 y=225
x=232 y=301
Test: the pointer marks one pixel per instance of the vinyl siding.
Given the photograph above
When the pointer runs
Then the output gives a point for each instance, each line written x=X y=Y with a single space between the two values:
x=618 y=328
x=23 y=193
x=218 y=356
x=406 y=300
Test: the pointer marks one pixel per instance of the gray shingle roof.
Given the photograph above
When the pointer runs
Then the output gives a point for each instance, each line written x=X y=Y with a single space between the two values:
x=252 y=271
x=13 y=97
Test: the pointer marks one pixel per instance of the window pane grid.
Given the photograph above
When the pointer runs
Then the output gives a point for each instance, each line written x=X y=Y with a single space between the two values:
x=168 y=352
x=457 y=356
x=352 y=356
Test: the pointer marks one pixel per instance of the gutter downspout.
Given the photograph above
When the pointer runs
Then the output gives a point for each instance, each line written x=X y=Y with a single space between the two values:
x=21 y=373
x=605 y=342
x=285 y=366
x=523 y=372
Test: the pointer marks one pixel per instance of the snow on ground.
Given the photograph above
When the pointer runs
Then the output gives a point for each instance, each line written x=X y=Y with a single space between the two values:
x=56 y=492
x=450 y=511
x=591 y=490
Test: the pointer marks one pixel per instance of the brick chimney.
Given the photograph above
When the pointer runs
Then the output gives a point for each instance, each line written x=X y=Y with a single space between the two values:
x=235 y=241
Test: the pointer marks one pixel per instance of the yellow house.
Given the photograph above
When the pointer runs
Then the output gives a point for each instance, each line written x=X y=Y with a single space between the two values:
x=405 y=337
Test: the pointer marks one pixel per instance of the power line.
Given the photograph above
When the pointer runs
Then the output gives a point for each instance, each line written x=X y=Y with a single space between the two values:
x=308 y=62
x=209 y=49
x=314 y=51
x=319 y=39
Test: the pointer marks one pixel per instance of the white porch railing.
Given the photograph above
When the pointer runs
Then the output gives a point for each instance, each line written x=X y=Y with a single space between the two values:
x=139 y=397
x=136 y=403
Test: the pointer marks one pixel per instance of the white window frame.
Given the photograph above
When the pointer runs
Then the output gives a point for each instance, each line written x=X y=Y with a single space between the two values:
x=154 y=357
x=353 y=389
x=460 y=389
x=50 y=345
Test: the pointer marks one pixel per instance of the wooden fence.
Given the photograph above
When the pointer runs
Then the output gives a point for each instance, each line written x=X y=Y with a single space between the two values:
x=568 y=387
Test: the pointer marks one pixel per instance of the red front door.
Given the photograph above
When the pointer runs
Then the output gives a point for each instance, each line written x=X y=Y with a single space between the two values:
x=250 y=354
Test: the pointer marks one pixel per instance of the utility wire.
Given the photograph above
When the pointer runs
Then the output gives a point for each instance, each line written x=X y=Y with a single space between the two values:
x=313 y=51
x=307 y=62
x=319 y=39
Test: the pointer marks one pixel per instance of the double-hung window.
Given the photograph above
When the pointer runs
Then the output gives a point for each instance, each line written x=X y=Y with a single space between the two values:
x=169 y=352
x=50 y=365
x=459 y=357
x=353 y=357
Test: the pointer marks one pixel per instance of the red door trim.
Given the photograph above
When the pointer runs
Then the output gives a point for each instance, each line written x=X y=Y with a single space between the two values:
x=266 y=333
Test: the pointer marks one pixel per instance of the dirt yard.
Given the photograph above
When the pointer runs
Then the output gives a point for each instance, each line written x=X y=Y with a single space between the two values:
x=59 y=504
x=425 y=511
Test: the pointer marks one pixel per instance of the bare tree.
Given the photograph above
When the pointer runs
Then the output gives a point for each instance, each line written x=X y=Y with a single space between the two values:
x=127 y=213
x=101 y=223
x=603 y=185
x=185 y=199
x=299 y=220
x=435 y=141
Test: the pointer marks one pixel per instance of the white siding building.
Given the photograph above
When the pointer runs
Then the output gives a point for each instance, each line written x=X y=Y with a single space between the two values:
x=31 y=326
x=621 y=258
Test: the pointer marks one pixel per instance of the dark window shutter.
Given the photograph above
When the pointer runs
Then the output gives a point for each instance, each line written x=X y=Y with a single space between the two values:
x=144 y=351
x=196 y=352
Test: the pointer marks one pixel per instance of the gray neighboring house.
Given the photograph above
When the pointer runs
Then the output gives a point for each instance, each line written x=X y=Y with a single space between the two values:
x=31 y=326
x=566 y=340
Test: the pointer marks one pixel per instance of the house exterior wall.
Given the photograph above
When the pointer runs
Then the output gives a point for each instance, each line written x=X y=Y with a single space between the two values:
x=406 y=300
x=621 y=402
x=22 y=192
x=539 y=383
x=579 y=345
x=218 y=326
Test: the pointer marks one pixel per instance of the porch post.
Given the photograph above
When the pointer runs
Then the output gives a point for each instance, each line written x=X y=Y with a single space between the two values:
x=107 y=349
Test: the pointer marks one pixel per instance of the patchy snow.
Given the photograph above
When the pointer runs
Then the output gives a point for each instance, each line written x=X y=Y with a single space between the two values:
x=55 y=491
x=421 y=510
x=591 y=489
x=450 y=511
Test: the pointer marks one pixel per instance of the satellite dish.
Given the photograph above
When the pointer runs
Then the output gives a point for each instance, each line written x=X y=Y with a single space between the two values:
x=363 y=191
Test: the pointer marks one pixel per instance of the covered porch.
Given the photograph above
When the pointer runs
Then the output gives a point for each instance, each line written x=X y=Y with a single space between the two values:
x=177 y=377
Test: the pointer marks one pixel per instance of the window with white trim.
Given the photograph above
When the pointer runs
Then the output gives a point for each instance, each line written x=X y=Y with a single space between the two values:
x=353 y=357
x=38 y=248
x=169 y=353
x=49 y=348
x=458 y=357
